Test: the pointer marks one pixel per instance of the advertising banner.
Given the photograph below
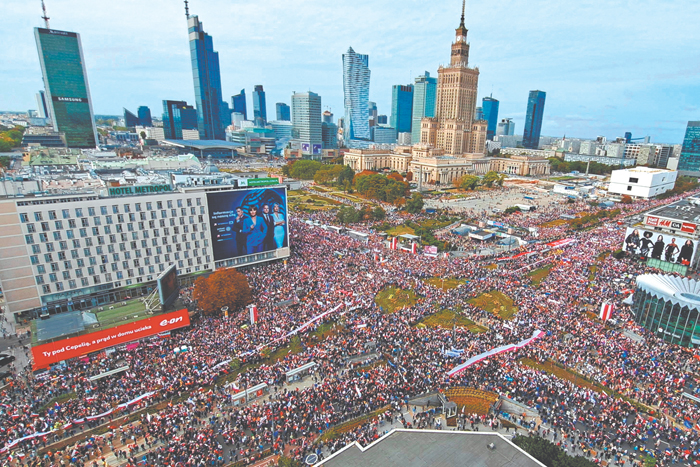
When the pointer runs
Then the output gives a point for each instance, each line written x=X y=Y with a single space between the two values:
x=47 y=354
x=245 y=222
x=168 y=287
x=687 y=227
x=660 y=246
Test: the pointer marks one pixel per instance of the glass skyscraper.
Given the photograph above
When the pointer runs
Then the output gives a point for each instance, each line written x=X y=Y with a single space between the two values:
x=145 y=116
x=177 y=115
x=207 y=82
x=489 y=106
x=306 y=118
x=238 y=104
x=67 y=91
x=356 y=94
x=533 y=119
x=424 y=99
x=41 y=102
x=401 y=108
x=282 y=111
x=130 y=120
x=689 y=160
x=259 y=106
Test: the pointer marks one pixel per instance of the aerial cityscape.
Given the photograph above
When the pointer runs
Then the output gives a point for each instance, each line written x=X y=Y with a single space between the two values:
x=322 y=249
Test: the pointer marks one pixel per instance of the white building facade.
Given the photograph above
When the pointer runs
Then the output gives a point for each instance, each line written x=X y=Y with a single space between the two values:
x=642 y=182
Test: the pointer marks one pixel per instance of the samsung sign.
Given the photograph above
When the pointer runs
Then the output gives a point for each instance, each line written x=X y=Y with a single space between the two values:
x=139 y=190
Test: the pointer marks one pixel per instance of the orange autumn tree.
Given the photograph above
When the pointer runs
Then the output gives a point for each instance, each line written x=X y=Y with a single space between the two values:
x=226 y=287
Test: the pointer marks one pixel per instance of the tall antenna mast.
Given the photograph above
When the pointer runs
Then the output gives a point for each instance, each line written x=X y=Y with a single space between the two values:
x=45 y=18
x=462 y=23
x=187 y=10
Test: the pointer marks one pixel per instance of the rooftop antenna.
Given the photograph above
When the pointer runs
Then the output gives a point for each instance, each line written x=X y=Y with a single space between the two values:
x=187 y=10
x=45 y=18
x=462 y=22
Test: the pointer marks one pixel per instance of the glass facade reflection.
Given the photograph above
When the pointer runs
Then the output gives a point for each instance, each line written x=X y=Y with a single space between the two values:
x=690 y=154
x=67 y=90
x=533 y=119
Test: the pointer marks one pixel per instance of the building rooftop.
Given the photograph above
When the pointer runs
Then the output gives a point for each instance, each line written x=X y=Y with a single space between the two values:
x=648 y=170
x=202 y=143
x=423 y=448
x=677 y=290
x=686 y=209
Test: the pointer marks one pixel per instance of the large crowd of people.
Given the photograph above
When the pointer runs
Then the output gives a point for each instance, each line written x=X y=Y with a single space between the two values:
x=201 y=422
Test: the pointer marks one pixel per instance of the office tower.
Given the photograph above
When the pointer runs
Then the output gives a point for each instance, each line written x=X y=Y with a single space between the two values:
x=356 y=93
x=689 y=160
x=178 y=116
x=628 y=137
x=383 y=134
x=479 y=114
x=452 y=127
x=327 y=117
x=372 y=108
x=67 y=91
x=282 y=111
x=329 y=131
x=259 y=106
x=130 y=120
x=145 y=116
x=306 y=118
x=237 y=119
x=207 y=81
x=238 y=104
x=505 y=127
x=533 y=119
x=424 y=96
x=41 y=104
x=382 y=119
x=490 y=108
x=401 y=107
x=665 y=151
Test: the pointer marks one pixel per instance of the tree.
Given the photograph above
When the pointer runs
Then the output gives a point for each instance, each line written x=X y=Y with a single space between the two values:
x=395 y=176
x=415 y=203
x=490 y=178
x=287 y=168
x=143 y=135
x=346 y=175
x=226 y=287
x=467 y=182
x=288 y=462
x=409 y=176
x=328 y=174
x=378 y=214
x=548 y=453
x=626 y=199
x=304 y=170
x=5 y=162
x=348 y=215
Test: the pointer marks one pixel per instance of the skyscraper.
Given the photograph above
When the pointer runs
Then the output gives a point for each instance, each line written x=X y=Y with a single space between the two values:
x=207 y=81
x=424 y=96
x=306 y=118
x=401 y=107
x=282 y=111
x=329 y=131
x=178 y=116
x=130 y=120
x=238 y=104
x=67 y=91
x=489 y=106
x=145 y=116
x=43 y=109
x=533 y=119
x=356 y=94
x=505 y=127
x=259 y=106
x=689 y=160
x=453 y=129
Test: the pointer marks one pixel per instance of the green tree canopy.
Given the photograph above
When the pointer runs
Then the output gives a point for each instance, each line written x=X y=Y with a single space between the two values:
x=549 y=454
x=415 y=203
x=305 y=170
x=467 y=182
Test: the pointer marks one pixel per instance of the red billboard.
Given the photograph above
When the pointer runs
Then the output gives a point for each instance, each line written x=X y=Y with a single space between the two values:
x=687 y=227
x=47 y=354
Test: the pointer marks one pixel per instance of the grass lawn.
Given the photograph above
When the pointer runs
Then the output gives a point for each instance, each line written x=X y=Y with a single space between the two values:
x=491 y=266
x=555 y=223
x=538 y=275
x=392 y=299
x=400 y=230
x=434 y=224
x=561 y=373
x=446 y=318
x=445 y=284
x=497 y=303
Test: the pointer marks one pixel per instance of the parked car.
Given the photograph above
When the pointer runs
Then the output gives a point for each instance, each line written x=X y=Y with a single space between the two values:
x=6 y=360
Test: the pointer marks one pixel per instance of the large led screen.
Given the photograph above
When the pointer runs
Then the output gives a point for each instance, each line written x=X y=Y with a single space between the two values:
x=660 y=246
x=245 y=222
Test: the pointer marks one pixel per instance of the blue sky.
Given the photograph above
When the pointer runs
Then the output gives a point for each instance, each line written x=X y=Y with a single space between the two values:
x=607 y=67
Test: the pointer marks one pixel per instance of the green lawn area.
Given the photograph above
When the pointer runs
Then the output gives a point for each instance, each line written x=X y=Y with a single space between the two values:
x=538 y=275
x=445 y=283
x=134 y=310
x=400 y=230
x=446 y=318
x=435 y=224
x=497 y=303
x=392 y=299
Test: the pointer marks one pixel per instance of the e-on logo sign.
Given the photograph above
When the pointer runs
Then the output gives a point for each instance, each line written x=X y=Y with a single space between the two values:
x=165 y=322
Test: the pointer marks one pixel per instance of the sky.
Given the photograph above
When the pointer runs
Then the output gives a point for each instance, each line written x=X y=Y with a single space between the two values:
x=607 y=67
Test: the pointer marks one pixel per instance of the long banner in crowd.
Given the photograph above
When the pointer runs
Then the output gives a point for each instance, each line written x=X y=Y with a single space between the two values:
x=490 y=353
x=14 y=443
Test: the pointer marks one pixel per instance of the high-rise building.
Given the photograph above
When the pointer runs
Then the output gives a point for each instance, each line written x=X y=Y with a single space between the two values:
x=372 y=107
x=479 y=113
x=130 y=120
x=329 y=131
x=401 y=107
x=207 y=82
x=259 y=106
x=66 y=84
x=533 y=119
x=665 y=151
x=424 y=96
x=383 y=134
x=178 y=116
x=282 y=111
x=41 y=103
x=238 y=104
x=689 y=161
x=306 y=118
x=356 y=76
x=382 y=119
x=505 y=127
x=145 y=116
x=490 y=108
x=454 y=122
x=327 y=116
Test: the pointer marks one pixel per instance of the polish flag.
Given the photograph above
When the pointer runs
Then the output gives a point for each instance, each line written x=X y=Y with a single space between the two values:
x=606 y=310
x=253 y=314
x=413 y=248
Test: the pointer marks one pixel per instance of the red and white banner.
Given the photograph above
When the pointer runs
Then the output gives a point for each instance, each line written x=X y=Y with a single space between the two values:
x=687 y=227
x=561 y=243
x=490 y=353
x=394 y=243
x=606 y=310
x=253 y=310
x=413 y=248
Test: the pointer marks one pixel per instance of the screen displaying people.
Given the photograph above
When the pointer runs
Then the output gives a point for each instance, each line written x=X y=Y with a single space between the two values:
x=663 y=247
x=245 y=222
